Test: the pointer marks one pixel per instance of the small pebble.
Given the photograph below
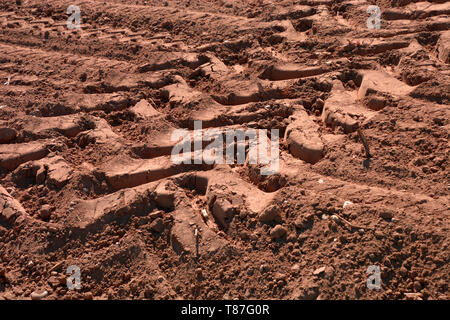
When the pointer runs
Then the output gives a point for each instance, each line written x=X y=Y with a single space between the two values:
x=319 y=271
x=38 y=295
x=277 y=232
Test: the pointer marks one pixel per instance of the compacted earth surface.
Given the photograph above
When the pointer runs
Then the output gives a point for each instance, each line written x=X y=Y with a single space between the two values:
x=87 y=182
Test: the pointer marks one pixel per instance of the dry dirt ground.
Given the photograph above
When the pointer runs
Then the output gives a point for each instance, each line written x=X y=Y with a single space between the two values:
x=86 y=118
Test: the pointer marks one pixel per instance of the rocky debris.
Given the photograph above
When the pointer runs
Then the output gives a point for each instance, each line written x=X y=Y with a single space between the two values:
x=140 y=228
x=386 y=213
x=53 y=170
x=306 y=290
x=278 y=232
x=11 y=211
x=303 y=222
x=45 y=212
x=376 y=102
x=271 y=213
x=59 y=172
x=102 y=135
x=40 y=175
x=157 y=225
x=30 y=170
x=143 y=110
x=7 y=134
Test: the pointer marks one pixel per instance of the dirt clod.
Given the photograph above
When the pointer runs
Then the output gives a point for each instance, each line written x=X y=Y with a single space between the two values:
x=350 y=172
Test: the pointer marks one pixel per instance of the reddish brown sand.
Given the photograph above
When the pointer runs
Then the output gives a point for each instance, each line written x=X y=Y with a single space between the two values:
x=85 y=171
